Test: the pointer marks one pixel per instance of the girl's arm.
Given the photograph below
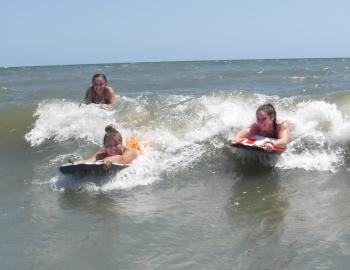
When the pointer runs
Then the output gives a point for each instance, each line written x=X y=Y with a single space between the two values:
x=247 y=132
x=283 y=133
x=93 y=158
x=242 y=134
x=112 y=98
x=126 y=158
x=88 y=96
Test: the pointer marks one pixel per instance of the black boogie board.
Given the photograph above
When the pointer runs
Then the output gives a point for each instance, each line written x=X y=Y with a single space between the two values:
x=87 y=168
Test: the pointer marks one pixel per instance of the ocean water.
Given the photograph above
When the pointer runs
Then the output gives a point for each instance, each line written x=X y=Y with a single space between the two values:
x=188 y=202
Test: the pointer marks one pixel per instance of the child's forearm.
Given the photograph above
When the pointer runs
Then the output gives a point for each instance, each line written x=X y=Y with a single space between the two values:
x=280 y=142
x=116 y=159
x=243 y=133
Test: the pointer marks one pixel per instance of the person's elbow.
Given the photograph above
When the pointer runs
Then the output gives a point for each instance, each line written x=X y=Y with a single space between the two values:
x=130 y=157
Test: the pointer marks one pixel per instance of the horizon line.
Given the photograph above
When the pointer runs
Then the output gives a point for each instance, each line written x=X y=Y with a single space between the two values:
x=174 y=61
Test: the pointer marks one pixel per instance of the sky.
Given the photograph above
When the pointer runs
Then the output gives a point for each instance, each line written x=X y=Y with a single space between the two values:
x=64 y=32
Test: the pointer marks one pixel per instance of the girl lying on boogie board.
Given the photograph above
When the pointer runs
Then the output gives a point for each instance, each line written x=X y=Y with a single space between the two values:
x=266 y=125
x=114 y=151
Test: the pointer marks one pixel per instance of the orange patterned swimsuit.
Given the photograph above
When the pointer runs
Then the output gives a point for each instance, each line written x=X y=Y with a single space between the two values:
x=135 y=143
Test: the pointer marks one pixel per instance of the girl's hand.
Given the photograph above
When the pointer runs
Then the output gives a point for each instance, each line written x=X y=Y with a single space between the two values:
x=105 y=106
x=71 y=161
x=268 y=146
x=107 y=162
x=237 y=139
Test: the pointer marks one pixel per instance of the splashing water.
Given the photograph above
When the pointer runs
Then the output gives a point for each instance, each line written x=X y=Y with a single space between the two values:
x=178 y=130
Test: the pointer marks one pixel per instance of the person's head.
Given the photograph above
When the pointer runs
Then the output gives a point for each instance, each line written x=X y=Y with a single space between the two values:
x=113 y=141
x=99 y=80
x=266 y=117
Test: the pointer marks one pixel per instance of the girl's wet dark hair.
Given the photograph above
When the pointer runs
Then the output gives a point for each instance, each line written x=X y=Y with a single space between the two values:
x=271 y=112
x=111 y=131
x=99 y=75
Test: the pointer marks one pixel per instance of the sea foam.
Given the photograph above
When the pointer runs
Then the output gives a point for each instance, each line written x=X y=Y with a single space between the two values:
x=178 y=130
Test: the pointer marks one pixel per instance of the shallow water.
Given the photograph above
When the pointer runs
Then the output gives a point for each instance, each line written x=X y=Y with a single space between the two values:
x=188 y=202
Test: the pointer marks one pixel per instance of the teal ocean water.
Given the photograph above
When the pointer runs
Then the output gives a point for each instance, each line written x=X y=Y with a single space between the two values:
x=188 y=202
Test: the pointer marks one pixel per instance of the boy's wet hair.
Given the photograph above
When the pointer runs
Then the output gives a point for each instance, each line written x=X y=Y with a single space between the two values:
x=99 y=75
x=111 y=131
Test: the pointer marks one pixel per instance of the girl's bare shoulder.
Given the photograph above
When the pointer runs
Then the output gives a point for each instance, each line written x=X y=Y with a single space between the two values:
x=131 y=150
x=285 y=125
x=109 y=88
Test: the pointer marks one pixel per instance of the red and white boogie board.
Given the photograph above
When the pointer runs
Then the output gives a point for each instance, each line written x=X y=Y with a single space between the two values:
x=256 y=143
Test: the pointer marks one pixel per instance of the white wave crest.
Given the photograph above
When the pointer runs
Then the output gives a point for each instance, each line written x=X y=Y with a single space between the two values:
x=178 y=131
x=60 y=121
